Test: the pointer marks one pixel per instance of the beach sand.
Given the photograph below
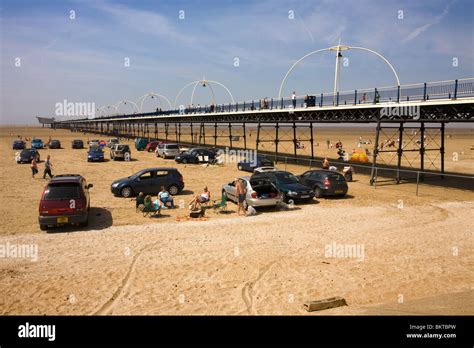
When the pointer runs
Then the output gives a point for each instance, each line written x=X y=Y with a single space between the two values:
x=417 y=250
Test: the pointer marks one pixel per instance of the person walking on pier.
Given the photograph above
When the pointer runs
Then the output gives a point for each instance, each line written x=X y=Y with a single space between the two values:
x=293 y=99
x=47 y=167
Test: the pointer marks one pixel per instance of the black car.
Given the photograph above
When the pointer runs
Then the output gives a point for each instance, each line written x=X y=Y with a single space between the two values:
x=77 y=144
x=149 y=181
x=18 y=145
x=196 y=155
x=325 y=182
x=249 y=165
x=27 y=155
x=95 y=154
x=288 y=184
x=54 y=144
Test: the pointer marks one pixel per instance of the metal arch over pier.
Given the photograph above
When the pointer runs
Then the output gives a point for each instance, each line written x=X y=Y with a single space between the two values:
x=272 y=126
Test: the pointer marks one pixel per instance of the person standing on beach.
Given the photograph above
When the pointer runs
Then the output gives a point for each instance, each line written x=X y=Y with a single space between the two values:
x=241 y=192
x=34 y=168
x=328 y=142
x=47 y=167
x=293 y=99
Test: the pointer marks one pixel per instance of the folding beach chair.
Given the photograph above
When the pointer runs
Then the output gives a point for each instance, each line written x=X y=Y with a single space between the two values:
x=148 y=209
x=222 y=204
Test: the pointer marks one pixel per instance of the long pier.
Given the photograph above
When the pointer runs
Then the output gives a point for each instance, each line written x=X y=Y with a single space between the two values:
x=417 y=108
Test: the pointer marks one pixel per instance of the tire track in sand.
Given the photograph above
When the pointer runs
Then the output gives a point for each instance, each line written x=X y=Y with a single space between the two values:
x=247 y=290
x=108 y=306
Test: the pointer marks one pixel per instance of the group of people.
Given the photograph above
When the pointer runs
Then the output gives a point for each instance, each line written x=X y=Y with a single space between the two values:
x=163 y=199
x=48 y=166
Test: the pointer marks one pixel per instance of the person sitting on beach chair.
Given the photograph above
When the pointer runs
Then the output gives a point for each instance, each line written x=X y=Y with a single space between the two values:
x=140 y=200
x=165 y=197
x=149 y=207
x=203 y=198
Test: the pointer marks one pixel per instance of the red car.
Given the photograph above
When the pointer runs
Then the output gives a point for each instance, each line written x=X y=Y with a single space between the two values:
x=151 y=146
x=65 y=201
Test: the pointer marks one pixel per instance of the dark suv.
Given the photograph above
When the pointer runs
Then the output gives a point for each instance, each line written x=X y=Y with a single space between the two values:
x=325 y=182
x=27 y=155
x=288 y=184
x=77 y=144
x=149 y=181
x=54 y=144
x=65 y=201
x=196 y=155
x=120 y=151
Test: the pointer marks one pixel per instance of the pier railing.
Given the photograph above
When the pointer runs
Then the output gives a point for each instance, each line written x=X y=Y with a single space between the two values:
x=447 y=90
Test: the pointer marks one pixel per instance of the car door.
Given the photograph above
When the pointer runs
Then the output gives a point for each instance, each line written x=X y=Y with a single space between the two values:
x=162 y=178
x=306 y=179
x=144 y=182
x=230 y=191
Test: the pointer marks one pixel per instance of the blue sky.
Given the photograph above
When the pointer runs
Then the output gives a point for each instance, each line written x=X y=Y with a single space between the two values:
x=82 y=60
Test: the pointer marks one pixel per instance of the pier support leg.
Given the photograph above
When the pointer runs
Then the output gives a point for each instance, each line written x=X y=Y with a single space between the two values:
x=311 y=139
x=399 y=151
x=422 y=149
x=441 y=150
x=376 y=151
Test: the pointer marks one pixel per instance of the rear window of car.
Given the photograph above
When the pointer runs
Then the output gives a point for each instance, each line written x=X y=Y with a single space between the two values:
x=335 y=177
x=62 y=191
x=27 y=152
x=172 y=147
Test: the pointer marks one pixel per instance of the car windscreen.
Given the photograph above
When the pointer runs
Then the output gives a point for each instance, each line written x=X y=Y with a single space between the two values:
x=172 y=147
x=27 y=153
x=62 y=191
x=97 y=150
x=122 y=147
x=286 y=178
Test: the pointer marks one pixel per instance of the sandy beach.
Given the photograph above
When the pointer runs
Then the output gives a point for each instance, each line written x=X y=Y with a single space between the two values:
x=415 y=250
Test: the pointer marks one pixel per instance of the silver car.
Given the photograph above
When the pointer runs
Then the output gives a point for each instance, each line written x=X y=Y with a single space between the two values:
x=261 y=193
x=167 y=150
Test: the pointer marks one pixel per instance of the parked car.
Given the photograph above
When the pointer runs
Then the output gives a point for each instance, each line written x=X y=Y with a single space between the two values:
x=18 y=145
x=196 y=155
x=112 y=141
x=149 y=181
x=120 y=151
x=167 y=150
x=249 y=165
x=65 y=200
x=140 y=143
x=54 y=144
x=151 y=146
x=37 y=143
x=325 y=182
x=27 y=155
x=94 y=143
x=77 y=144
x=95 y=154
x=288 y=184
x=260 y=192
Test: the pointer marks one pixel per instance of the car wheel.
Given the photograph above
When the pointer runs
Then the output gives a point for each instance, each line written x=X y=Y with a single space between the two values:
x=173 y=190
x=318 y=193
x=239 y=167
x=43 y=227
x=85 y=223
x=126 y=192
x=185 y=160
